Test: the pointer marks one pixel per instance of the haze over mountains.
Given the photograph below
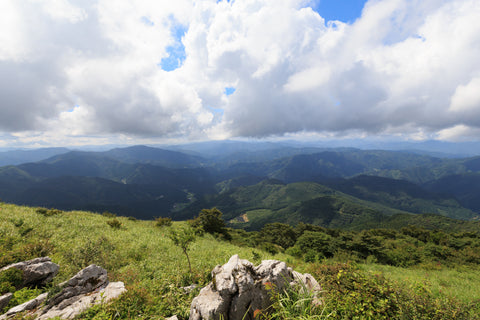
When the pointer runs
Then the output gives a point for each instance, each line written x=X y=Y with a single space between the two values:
x=252 y=183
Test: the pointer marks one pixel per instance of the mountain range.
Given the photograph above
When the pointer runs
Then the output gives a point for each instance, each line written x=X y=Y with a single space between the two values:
x=252 y=184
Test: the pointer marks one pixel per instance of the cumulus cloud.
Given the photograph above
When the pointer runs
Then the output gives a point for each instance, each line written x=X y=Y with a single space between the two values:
x=72 y=69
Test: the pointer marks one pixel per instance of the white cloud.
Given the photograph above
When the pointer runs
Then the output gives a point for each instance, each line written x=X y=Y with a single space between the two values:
x=405 y=67
x=459 y=132
x=467 y=97
x=62 y=9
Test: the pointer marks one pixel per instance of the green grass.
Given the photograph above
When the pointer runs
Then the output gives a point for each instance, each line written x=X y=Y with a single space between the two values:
x=141 y=254
x=461 y=284
x=138 y=253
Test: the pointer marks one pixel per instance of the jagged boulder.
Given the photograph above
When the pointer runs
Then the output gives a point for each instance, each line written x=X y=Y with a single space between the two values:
x=86 y=280
x=71 y=307
x=27 y=306
x=88 y=287
x=36 y=272
x=238 y=288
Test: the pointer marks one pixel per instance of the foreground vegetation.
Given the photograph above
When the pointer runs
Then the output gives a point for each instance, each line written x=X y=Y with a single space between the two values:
x=154 y=268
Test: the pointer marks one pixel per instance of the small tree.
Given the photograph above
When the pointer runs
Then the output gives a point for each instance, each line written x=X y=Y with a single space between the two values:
x=210 y=221
x=183 y=238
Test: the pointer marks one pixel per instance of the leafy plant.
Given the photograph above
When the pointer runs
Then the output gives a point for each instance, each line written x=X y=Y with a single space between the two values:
x=23 y=295
x=183 y=238
x=114 y=223
x=48 y=212
x=108 y=214
x=294 y=302
x=210 y=221
x=10 y=280
x=163 y=222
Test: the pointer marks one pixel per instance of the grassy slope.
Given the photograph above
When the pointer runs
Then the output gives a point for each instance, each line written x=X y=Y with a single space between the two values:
x=461 y=284
x=141 y=255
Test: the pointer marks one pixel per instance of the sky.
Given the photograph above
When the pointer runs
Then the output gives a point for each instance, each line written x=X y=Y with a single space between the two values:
x=92 y=72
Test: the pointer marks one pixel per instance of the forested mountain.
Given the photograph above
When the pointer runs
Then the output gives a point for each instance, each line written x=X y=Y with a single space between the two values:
x=253 y=184
x=15 y=157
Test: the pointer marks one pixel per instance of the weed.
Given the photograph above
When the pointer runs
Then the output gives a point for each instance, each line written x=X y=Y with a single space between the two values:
x=93 y=251
x=109 y=214
x=163 y=222
x=23 y=295
x=183 y=238
x=10 y=280
x=114 y=223
x=48 y=212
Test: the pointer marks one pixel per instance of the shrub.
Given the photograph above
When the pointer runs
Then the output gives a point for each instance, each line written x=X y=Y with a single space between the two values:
x=278 y=233
x=317 y=241
x=10 y=280
x=133 y=304
x=48 y=212
x=210 y=221
x=163 y=222
x=183 y=238
x=96 y=251
x=294 y=302
x=114 y=223
x=23 y=295
x=353 y=294
x=108 y=214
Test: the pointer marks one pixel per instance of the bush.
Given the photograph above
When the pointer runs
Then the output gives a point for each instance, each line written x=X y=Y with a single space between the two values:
x=163 y=222
x=278 y=233
x=353 y=294
x=48 y=212
x=96 y=251
x=10 y=280
x=210 y=221
x=114 y=223
x=183 y=238
x=23 y=295
x=109 y=214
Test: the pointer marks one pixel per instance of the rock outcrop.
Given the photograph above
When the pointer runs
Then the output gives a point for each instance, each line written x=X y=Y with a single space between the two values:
x=88 y=287
x=238 y=288
x=5 y=299
x=36 y=272
x=86 y=280
x=27 y=306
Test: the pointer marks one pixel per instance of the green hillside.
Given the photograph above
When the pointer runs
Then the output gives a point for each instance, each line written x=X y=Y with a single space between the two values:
x=368 y=203
x=141 y=254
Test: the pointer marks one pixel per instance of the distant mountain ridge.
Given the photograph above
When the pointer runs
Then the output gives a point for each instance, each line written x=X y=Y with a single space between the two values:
x=15 y=157
x=267 y=182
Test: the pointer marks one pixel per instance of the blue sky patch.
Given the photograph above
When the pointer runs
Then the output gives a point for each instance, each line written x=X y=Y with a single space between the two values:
x=74 y=107
x=343 y=10
x=229 y=91
x=176 y=52
x=217 y=114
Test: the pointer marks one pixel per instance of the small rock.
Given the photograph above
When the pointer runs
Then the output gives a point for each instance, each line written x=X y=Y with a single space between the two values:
x=36 y=272
x=29 y=305
x=5 y=299
x=85 y=281
x=189 y=288
x=71 y=307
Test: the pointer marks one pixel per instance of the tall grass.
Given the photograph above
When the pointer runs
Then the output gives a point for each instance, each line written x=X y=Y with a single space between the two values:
x=459 y=283
x=141 y=254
